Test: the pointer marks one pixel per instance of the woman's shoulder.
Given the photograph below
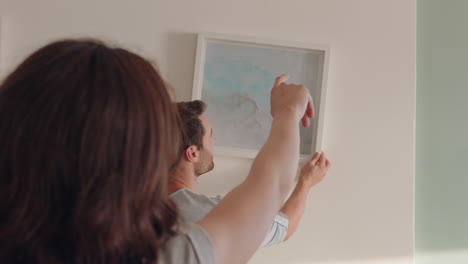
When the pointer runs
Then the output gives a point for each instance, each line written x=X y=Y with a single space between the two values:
x=192 y=246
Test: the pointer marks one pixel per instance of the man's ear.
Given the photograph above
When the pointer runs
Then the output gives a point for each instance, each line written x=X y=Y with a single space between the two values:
x=192 y=153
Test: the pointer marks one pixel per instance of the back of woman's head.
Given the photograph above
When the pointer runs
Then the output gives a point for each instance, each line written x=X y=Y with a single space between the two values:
x=87 y=136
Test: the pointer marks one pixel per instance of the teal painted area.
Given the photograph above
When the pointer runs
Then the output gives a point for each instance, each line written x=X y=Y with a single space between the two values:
x=442 y=132
x=224 y=77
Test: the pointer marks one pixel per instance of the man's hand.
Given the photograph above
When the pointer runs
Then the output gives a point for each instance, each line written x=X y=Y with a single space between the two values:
x=291 y=101
x=311 y=173
x=314 y=170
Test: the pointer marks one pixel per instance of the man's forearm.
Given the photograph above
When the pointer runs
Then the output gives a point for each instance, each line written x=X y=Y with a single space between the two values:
x=294 y=207
x=277 y=161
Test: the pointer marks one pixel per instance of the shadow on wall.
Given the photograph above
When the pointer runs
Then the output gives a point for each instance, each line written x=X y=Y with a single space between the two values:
x=181 y=60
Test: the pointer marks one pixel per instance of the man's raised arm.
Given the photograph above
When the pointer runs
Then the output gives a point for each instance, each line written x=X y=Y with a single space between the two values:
x=239 y=223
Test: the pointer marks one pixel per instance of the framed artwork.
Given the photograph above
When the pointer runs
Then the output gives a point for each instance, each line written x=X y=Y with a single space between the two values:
x=234 y=75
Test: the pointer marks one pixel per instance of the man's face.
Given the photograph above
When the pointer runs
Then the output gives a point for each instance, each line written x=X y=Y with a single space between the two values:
x=205 y=164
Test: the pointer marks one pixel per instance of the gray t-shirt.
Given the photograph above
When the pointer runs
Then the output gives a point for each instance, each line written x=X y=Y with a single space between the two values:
x=192 y=246
x=194 y=206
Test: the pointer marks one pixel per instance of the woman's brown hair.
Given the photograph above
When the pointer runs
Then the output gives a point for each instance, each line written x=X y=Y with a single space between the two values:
x=88 y=134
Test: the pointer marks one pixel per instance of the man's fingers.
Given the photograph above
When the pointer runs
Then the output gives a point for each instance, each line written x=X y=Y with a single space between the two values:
x=309 y=113
x=315 y=158
x=281 y=79
x=305 y=121
x=327 y=163
x=322 y=159
x=310 y=108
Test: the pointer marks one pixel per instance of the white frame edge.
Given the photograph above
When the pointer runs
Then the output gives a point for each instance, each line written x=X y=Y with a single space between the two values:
x=323 y=98
x=202 y=40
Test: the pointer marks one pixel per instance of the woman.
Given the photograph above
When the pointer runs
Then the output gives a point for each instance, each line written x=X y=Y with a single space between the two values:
x=88 y=134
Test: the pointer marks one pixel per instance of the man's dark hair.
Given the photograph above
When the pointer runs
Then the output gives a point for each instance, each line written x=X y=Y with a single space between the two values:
x=189 y=113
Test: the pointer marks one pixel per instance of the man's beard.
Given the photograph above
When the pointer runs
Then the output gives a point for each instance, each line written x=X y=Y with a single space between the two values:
x=205 y=164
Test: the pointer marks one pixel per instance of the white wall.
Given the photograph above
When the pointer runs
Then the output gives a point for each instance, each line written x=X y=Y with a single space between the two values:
x=363 y=211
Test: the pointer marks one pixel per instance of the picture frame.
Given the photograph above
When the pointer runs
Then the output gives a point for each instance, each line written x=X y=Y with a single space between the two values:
x=233 y=75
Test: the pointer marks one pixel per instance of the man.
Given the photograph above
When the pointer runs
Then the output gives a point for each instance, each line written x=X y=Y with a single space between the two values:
x=197 y=159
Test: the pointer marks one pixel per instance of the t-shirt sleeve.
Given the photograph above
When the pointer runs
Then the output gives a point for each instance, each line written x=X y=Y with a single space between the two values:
x=192 y=246
x=202 y=244
x=277 y=232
